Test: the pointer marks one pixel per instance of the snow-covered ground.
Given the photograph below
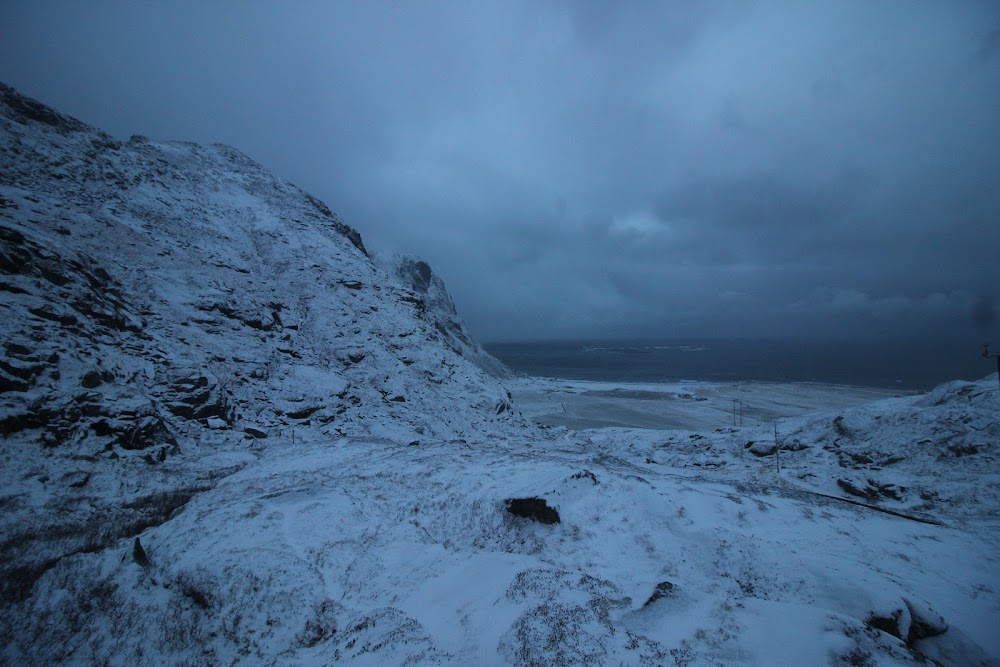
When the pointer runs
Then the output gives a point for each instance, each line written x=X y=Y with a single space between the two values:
x=232 y=438
x=582 y=404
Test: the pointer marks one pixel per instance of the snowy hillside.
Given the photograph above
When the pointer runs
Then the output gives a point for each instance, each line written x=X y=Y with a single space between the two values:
x=322 y=467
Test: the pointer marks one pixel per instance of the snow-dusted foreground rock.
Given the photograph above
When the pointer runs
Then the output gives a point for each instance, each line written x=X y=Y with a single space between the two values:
x=231 y=438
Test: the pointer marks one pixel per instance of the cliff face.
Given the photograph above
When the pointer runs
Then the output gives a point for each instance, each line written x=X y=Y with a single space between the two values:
x=170 y=274
x=160 y=301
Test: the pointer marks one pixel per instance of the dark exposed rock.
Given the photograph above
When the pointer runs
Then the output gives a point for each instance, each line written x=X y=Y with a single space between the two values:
x=37 y=415
x=197 y=397
x=147 y=432
x=866 y=493
x=910 y=624
x=586 y=474
x=102 y=428
x=536 y=509
x=26 y=109
x=305 y=413
x=888 y=624
x=960 y=450
x=343 y=229
x=662 y=590
x=8 y=383
x=16 y=349
x=762 y=448
x=80 y=481
x=139 y=554
x=91 y=379
x=47 y=313
x=416 y=274
x=255 y=433
x=872 y=491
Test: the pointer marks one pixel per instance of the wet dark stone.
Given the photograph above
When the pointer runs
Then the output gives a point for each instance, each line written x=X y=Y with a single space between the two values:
x=536 y=509
x=255 y=433
x=91 y=380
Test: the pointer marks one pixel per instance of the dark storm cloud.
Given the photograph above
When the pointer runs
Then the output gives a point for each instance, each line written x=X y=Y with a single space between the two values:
x=578 y=169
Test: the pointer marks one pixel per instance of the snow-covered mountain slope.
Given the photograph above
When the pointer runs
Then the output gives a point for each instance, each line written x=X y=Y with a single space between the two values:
x=319 y=471
x=440 y=310
x=163 y=297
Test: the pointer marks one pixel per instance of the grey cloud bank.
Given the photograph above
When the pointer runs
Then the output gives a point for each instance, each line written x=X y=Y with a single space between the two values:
x=580 y=170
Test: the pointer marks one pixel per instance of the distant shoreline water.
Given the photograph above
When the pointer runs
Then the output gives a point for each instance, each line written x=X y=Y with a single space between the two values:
x=904 y=365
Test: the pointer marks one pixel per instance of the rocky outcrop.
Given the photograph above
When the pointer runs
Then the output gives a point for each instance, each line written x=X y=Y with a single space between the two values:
x=434 y=303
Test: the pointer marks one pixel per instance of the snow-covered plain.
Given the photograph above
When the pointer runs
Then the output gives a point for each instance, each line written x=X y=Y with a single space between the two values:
x=692 y=405
x=316 y=459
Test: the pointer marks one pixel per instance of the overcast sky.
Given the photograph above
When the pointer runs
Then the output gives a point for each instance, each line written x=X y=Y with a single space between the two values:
x=593 y=169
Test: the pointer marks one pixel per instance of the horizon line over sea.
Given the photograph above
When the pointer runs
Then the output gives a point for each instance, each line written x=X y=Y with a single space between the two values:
x=911 y=365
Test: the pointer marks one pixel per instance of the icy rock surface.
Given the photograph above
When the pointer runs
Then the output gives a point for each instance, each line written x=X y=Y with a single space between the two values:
x=229 y=437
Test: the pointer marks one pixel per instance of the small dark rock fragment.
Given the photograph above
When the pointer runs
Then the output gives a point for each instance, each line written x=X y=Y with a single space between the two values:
x=305 y=413
x=150 y=431
x=536 y=509
x=762 y=448
x=255 y=433
x=80 y=482
x=91 y=379
x=139 y=554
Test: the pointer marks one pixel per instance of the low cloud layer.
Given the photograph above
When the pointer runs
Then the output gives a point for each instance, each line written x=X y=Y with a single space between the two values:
x=592 y=169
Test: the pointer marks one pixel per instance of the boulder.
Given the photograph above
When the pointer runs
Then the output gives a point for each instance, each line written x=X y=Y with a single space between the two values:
x=536 y=509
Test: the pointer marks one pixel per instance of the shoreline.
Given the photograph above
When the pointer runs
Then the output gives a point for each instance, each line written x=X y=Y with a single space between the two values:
x=694 y=405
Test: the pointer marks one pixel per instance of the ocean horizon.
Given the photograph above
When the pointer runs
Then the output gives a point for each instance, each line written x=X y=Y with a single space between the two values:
x=910 y=365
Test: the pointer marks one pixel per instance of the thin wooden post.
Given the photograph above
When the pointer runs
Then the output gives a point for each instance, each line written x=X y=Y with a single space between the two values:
x=777 y=449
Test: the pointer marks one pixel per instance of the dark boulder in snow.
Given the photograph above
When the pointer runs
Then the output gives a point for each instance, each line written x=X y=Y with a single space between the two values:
x=197 y=396
x=139 y=554
x=147 y=432
x=536 y=509
x=910 y=623
x=761 y=448
x=662 y=590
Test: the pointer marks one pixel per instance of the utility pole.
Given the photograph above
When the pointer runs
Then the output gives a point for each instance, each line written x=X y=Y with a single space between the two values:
x=996 y=355
x=777 y=449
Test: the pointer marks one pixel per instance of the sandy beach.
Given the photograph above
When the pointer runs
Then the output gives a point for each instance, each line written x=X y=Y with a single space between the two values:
x=578 y=404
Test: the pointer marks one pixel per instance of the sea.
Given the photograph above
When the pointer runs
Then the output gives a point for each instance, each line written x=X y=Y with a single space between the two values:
x=911 y=365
